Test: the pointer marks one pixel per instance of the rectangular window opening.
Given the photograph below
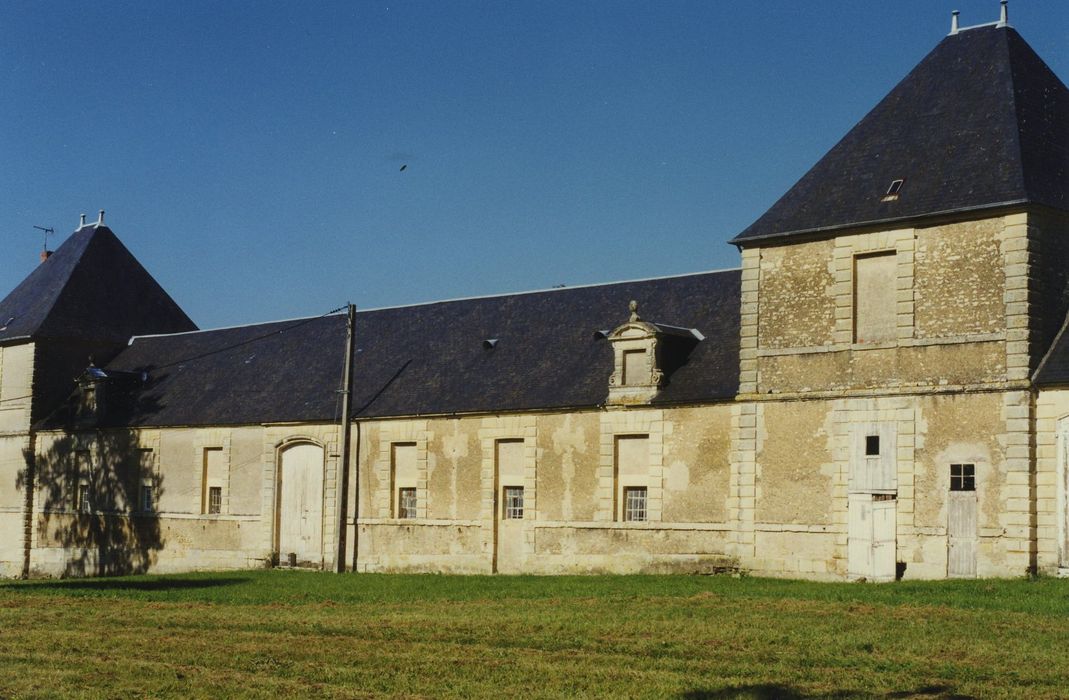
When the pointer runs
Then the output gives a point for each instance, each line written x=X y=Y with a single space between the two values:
x=636 y=369
x=513 y=503
x=406 y=503
x=212 y=479
x=215 y=500
x=892 y=191
x=962 y=477
x=875 y=291
x=635 y=503
x=872 y=445
x=81 y=503
x=147 y=504
x=404 y=475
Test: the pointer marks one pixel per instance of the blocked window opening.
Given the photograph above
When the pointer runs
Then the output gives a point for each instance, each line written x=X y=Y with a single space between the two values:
x=872 y=445
x=406 y=503
x=513 y=503
x=636 y=368
x=875 y=292
x=635 y=503
x=213 y=478
x=404 y=474
x=215 y=500
x=962 y=477
x=631 y=471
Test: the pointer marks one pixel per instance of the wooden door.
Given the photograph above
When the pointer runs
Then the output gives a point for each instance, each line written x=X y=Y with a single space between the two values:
x=961 y=534
x=300 y=505
x=871 y=536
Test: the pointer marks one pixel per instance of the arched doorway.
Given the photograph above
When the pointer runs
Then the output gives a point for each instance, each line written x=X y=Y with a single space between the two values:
x=300 y=505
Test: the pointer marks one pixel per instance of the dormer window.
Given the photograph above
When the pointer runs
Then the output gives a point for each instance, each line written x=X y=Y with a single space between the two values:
x=644 y=355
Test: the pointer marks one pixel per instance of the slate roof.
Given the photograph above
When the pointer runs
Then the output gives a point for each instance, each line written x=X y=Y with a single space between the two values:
x=430 y=358
x=981 y=122
x=1053 y=370
x=91 y=288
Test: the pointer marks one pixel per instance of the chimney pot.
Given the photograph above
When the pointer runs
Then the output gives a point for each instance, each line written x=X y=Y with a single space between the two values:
x=954 y=22
x=82 y=222
x=45 y=255
x=1003 y=14
x=100 y=218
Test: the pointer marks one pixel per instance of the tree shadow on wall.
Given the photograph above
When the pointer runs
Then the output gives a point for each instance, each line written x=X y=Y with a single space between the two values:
x=776 y=691
x=97 y=493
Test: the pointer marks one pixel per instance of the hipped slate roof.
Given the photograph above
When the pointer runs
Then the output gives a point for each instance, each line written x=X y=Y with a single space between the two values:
x=981 y=122
x=430 y=358
x=91 y=288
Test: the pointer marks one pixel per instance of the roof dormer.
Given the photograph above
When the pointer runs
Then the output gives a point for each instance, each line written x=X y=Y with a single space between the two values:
x=644 y=355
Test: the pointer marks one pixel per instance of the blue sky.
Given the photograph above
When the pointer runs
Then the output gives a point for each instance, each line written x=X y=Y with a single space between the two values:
x=249 y=154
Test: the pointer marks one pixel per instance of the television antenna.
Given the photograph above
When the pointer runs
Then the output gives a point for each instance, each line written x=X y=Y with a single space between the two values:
x=47 y=232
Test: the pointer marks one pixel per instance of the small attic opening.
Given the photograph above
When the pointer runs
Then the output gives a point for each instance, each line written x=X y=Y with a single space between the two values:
x=892 y=190
x=490 y=343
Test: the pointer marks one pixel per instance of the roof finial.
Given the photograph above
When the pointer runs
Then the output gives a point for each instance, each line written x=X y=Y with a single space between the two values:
x=1003 y=14
x=81 y=223
x=633 y=306
x=954 y=22
x=100 y=218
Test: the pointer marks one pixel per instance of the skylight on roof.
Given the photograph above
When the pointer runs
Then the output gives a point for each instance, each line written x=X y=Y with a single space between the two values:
x=892 y=191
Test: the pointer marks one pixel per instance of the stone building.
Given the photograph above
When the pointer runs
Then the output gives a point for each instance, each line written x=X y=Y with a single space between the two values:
x=881 y=391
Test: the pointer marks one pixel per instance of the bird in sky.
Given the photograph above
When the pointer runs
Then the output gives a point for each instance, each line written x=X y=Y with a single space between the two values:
x=403 y=167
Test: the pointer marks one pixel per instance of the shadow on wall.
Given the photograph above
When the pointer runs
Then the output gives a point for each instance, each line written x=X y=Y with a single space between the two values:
x=97 y=493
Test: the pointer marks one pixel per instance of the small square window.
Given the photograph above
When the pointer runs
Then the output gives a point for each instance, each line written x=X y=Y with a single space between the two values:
x=147 y=504
x=81 y=502
x=635 y=503
x=406 y=503
x=962 y=477
x=513 y=503
x=215 y=500
x=872 y=445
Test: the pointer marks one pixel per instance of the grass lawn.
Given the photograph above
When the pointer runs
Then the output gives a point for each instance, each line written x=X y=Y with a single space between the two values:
x=279 y=633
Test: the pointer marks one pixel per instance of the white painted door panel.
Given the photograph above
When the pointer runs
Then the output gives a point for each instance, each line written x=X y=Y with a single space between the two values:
x=300 y=520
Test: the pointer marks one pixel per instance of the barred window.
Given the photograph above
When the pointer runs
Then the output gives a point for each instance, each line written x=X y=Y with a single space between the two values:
x=406 y=503
x=635 y=503
x=962 y=477
x=81 y=499
x=513 y=503
x=215 y=500
x=147 y=505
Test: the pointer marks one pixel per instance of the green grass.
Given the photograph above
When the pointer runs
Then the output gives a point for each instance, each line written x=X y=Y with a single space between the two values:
x=272 y=633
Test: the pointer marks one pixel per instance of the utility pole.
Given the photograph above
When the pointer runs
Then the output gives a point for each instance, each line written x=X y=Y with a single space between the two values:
x=343 y=471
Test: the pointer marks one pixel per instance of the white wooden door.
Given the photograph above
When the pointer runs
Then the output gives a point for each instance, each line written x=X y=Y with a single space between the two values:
x=961 y=534
x=871 y=537
x=300 y=517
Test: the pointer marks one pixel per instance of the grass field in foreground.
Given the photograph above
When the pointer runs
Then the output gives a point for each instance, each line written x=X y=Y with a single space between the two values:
x=298 y=634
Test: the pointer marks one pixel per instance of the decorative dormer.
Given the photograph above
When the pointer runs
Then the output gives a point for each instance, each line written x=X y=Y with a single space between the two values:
x=644 y=355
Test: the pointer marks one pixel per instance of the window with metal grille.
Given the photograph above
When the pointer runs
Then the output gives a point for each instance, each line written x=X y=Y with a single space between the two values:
x=513 y=503
x=962 y=477
x=215 y=500
x=81 y=499
x=147 y=506
x=406 y=503
x=635 y=503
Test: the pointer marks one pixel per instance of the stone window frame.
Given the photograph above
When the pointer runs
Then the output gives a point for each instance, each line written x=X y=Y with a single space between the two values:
x=400 y=432
x=398 y=491
x=204 y=440
x=901 y=242
x=622 y=423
